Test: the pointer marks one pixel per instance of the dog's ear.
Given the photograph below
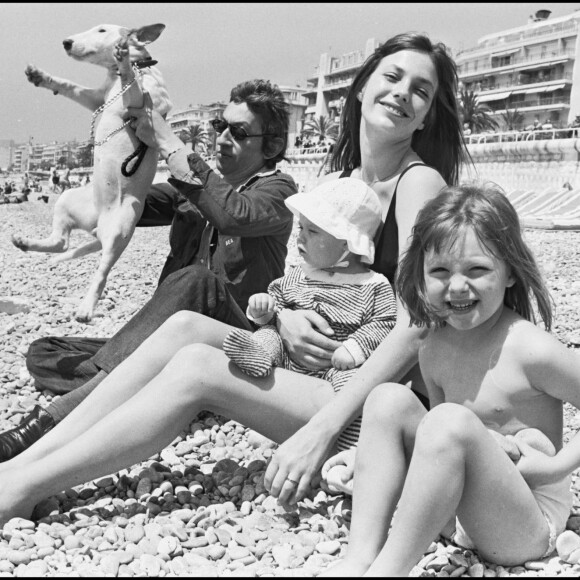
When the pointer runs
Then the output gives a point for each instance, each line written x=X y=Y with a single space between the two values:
x=147 y=34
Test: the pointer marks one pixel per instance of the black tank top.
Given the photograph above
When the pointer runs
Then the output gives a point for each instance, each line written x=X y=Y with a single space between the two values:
x=387 y=239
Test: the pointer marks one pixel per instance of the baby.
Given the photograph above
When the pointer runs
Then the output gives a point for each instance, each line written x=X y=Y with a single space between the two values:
x=338 y=221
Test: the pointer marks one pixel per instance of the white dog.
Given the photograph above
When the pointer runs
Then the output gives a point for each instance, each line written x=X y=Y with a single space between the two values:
x=110 y=206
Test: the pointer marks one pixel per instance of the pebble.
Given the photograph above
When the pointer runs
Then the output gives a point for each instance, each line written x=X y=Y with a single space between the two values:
x=157 y=518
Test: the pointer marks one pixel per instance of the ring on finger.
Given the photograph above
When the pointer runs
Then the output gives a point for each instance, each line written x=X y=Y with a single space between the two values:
x=293 y=481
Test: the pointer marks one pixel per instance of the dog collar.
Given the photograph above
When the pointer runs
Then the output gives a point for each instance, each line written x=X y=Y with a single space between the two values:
x=145 y=63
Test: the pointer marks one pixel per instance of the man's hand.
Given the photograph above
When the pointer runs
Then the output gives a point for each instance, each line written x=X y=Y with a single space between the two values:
x=261 y=304
x=151 y=128
x=305 y=335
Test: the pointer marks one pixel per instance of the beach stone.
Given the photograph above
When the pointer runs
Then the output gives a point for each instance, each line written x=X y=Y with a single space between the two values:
x=476 y=570
x=566 y=543
x=216 y=551
x=110 y=564
x=168 y=545
x=14 y=305
x=143 y=487
x=17 y=557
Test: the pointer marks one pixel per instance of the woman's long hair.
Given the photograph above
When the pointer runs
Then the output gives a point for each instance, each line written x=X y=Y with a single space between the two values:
x=440 y=143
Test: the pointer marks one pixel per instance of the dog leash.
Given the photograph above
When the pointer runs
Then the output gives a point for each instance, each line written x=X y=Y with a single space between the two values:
x=139 y=153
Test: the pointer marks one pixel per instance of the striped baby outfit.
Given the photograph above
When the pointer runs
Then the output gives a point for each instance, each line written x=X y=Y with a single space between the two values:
x=360 y=308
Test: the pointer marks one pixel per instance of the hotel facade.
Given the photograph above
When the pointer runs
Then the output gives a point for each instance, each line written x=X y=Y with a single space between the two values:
x=532 y=69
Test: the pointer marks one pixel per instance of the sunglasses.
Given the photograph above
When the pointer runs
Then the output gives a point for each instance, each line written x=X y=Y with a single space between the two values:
x=238 y=133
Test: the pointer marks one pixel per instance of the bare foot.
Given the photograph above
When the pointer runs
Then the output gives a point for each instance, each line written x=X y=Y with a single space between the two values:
x=20 y=242
x=344 y=569
x=14 y=500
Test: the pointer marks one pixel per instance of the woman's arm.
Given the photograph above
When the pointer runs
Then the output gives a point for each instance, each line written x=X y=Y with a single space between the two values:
x=305 y=451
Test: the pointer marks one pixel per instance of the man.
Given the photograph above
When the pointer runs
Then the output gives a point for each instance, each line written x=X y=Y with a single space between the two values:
x=228 y=241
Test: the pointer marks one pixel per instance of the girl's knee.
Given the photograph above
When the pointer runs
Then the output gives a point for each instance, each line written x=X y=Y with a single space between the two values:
x=388 y=400
x=447 y=424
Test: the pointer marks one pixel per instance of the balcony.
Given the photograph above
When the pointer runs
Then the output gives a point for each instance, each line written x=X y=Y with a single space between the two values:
x=481 y=88
x=523 y=63
x=539 y=103
x=524 y=35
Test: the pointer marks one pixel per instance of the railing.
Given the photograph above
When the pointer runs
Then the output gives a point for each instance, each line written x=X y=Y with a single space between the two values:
x=463 y=70
x=511 y=136
x=294 y=151
x=523 y=35
x=521 y=83
x=531 y=103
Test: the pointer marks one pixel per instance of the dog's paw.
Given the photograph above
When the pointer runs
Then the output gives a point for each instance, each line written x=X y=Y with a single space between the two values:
x=121 y=50
x=37 y=77
x=20 y=243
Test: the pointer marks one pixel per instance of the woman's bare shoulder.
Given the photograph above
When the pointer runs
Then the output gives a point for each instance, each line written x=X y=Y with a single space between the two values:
x=422 y=176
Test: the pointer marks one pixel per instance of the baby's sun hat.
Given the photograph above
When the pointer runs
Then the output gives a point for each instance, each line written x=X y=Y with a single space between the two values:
x=347 y=209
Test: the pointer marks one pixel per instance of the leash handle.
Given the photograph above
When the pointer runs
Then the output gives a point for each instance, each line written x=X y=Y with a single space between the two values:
x=139 y=154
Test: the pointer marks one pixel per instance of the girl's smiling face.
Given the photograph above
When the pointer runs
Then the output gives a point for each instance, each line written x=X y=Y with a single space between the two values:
x=316 y=246
x=465 y=282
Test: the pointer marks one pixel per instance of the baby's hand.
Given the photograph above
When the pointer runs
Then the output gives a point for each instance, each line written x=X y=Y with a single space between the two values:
x=338 y=471
x=342 y=359
x=261 y=304
x=536 y=467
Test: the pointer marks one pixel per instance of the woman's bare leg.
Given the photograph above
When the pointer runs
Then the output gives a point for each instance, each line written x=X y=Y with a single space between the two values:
x=198 y=377
x=181 y=329
x=457 y=467
x=391 y=416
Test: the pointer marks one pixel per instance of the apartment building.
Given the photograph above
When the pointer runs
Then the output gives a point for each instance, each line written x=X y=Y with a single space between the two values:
x=6 y=153
x=531 y=68
x=196 y=115
x=203 y=114
x=328 y=85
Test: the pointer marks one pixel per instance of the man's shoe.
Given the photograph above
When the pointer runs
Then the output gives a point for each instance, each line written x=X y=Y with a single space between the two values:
x=30 y=430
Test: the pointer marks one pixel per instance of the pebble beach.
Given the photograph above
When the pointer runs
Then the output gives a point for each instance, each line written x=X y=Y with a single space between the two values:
x=199 y=508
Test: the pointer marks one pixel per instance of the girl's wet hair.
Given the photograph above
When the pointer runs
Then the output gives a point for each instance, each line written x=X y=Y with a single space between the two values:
x=442 y=221
x=440 y=143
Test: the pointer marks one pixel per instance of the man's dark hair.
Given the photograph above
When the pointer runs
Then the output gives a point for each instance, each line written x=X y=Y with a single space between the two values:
x=267 y=102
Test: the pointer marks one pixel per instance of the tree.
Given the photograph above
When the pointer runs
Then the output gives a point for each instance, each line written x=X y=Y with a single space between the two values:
x=476 y=115
x=85 y=156
x=321 y=127
x=197 y=136
x=512 y=119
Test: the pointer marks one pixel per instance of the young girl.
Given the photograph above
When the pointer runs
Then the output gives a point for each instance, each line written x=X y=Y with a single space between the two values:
x=338 y=221
x=469 y=277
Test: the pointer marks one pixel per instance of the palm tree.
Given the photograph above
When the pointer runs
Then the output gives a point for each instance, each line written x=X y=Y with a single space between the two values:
x=197 y=136
x=512 y=119
x=476 y=115
x=322 y=127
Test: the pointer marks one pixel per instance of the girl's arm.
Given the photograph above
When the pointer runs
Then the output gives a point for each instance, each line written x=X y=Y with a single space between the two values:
x=555 y=370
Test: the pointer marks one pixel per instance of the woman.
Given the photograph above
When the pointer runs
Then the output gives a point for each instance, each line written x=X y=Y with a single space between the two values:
x=400 y=111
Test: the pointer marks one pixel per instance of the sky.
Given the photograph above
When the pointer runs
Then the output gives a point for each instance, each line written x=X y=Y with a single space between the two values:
x=207 y=48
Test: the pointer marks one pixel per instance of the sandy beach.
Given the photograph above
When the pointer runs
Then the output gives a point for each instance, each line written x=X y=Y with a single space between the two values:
x=198 y=508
